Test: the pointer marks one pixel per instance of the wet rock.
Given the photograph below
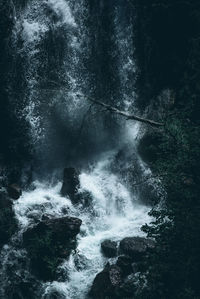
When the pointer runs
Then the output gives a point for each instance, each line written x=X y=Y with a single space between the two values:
x=61 y=228
x=136 y=247
x=129 y=287
x=5 y=201
x=106 y=283
x=80 y=262
x=14 y=191
x=136 y=267
x=65 y=210
x=22 y=290
x=125 y=264
x=71 y=184
x=109 y=248
x=8 y=223
x=49 y=242
x=55 y=295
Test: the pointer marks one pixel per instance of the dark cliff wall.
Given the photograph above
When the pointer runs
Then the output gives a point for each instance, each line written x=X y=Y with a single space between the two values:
x=14 y=149
x=167 y=33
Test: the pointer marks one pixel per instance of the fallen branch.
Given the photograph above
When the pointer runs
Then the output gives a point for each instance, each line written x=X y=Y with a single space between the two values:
x=127 y=115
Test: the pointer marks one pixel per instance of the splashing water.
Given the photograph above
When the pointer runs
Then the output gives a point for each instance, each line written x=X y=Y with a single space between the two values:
x=62 y=9
x=113 y=213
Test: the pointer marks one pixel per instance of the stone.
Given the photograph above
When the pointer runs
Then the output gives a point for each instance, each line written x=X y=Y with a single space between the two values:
x=129 y=287
x=106 y=283
x=125 y=264
x=70 y=184
x=136 y=247
x=14 y=191
x=109 y=248
x=49 y=242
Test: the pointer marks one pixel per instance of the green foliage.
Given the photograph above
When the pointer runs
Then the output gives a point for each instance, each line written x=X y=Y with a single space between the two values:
x=174 y=266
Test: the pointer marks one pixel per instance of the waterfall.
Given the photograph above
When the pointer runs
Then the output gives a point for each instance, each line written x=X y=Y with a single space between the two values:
x=69 y=50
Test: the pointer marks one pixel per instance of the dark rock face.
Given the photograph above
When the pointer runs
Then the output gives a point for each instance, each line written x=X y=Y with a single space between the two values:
x=14 y=191
x=136 y=247
x=125 y=264
x=8 y=223
x=109 y=248
x=106 y=283
x=49 y=242
x=5 y=201
x=125 y=278
x=23 y=290
x=70 y=184
x=129 y=287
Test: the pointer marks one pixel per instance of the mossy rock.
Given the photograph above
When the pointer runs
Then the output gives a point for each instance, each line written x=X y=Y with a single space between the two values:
x=48 y=243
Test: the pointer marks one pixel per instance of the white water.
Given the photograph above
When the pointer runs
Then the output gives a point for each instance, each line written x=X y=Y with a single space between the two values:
x=114 y=213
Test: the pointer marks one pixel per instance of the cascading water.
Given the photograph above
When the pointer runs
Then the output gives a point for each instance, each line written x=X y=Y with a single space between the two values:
x=66 y=55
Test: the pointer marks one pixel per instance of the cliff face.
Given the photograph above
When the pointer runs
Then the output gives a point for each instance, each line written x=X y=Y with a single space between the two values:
x=15 y=151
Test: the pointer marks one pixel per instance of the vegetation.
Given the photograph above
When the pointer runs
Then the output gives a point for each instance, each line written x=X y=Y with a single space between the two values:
x=170 y=59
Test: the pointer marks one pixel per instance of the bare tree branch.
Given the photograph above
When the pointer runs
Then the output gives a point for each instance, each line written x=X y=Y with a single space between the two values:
x=126 y=115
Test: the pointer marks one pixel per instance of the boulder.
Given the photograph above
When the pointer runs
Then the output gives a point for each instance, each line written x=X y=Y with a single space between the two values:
x=14 y=191
x=70 y=184
x=125 y=264
x=136 y=247
x=129 y=287
x=106 y=283
x=49 y=242
x=8 y=223
x=109 y=248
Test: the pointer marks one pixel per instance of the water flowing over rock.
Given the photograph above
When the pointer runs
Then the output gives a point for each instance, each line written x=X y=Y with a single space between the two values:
x=59 y=53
